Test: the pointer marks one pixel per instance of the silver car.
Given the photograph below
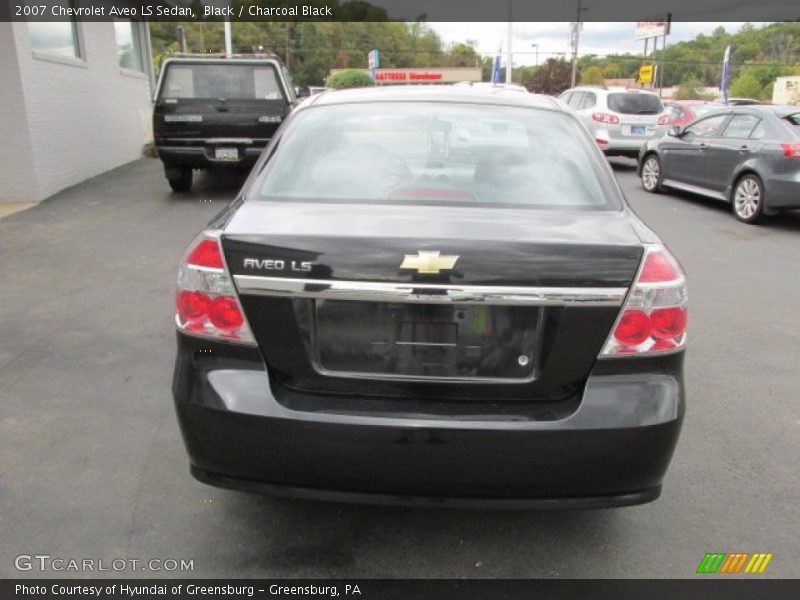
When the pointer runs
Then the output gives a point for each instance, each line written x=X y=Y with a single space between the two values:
x=620 y=119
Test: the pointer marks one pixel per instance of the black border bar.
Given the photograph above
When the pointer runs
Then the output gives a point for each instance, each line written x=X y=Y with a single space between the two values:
x=406 y=10
x=712 y=588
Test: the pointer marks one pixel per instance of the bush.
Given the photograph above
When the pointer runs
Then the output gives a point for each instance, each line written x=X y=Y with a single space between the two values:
x=688 y=90
x=349 y=79
x=746 y=86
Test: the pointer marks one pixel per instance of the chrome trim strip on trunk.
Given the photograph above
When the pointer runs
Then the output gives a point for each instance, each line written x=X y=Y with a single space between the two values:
x=427 y=293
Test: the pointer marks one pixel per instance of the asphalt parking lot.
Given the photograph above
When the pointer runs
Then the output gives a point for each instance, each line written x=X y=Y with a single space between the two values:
x=93 y=465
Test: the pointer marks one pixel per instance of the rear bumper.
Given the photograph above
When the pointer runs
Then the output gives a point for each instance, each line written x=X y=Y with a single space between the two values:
x=612 y=451
x=202 y=157
x=618 y=145
x=782 y=191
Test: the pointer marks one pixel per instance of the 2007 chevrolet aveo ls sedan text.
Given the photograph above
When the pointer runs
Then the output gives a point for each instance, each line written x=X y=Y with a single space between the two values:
x=436 y=295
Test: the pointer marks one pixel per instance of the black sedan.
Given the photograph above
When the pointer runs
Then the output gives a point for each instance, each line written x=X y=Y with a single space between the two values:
x=747 y=156
x=432 y=295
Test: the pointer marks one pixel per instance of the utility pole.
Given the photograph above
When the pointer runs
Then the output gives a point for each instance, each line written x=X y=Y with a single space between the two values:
x=228 y=40
x=286 y=42
x=575 y=35
x=536 y=55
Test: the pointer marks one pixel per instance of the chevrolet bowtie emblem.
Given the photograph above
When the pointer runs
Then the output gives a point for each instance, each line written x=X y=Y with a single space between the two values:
x=428 y=263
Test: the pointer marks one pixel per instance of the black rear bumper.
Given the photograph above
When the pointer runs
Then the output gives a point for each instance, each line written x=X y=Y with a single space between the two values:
x=301 y=493
x=612 y=451
x=202 y=157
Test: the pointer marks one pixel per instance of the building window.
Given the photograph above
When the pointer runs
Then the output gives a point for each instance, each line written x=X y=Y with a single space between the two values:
x=57 y=38
x=129 y=48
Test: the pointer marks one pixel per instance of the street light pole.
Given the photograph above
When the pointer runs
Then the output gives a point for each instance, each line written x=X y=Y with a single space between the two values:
x=536 y=55
x=575 y=38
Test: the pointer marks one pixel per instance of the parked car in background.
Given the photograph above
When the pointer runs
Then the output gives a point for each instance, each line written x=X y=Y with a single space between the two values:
x=217 y=112
x=747 y=156
x=620 y=119
x=386 y=316
x=743 y=101
x=304 y=91
x=684 y=112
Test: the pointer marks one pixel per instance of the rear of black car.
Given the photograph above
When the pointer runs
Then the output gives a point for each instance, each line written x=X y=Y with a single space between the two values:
x=457 y=328
x=217 y=113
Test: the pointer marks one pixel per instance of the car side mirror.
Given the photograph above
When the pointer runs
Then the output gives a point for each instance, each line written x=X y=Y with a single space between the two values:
x=674 y=131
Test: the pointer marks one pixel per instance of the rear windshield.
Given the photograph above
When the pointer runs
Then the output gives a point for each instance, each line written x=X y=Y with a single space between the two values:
x=228 y=81
x=634 y=103
x=441 y=153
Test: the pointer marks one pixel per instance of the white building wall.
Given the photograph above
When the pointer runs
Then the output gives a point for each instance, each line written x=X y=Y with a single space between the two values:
x=84 y=116
x=16 y=157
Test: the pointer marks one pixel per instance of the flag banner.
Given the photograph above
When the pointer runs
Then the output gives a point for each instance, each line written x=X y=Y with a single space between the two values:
x=726 y=75
x=496 y=70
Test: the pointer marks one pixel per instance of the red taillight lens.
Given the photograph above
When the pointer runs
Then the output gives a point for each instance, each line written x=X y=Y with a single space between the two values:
x=225 y=314
x=664 y=120
x=668 y=323
x=206 y=303
x=206 y=254
x=654 y=316
x=791 y=149
x=658 y=267
x=633 y=328
x=605 y=118
x=192 y=306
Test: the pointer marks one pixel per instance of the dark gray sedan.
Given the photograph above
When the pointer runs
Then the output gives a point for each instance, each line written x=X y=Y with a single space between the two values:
x=748 y=156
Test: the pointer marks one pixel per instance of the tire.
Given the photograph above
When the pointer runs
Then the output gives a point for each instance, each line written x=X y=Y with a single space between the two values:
x=651 y=174
x=182 y=183
x=747 y=199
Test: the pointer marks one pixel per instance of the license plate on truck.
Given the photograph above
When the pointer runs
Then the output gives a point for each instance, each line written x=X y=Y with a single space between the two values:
x=226 y=154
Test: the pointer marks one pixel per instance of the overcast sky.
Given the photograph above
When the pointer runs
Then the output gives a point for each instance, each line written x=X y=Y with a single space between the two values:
x=596 y=38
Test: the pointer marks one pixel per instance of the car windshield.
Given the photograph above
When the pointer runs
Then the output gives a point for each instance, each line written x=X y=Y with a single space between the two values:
x=635 y=103
x=221 y=81
x=431 y=152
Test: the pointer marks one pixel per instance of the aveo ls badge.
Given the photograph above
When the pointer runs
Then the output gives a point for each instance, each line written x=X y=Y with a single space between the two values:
x=277 y=264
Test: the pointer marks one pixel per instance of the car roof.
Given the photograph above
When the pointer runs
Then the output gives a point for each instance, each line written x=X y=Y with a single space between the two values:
x=437 y=93
x=692 y=102
x=222 y=59
x=610 y=89
x=778 y=110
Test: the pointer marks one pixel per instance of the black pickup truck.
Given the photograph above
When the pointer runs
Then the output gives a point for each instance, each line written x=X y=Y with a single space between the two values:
x=217 y=112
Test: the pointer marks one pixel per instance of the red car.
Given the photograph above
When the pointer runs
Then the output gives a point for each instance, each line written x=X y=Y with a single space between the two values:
x=684 y=112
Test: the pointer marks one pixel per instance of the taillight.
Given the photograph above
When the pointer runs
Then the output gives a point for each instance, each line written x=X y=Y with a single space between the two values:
x=206 y=302
x=791 y=149
x=605 y=118
x=665 y=120
x=654 y=316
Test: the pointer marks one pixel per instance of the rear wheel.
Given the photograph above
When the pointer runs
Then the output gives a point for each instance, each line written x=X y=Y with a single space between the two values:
x=748 y=199
x=182 y=182
x=651 y=174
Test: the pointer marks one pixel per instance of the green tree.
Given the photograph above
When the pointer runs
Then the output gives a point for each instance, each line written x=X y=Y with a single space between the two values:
x=592 y=76
x=553 y=77
x=349 y=79
x=746 y=86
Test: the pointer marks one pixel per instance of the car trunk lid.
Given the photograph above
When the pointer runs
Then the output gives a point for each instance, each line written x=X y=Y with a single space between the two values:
x=352 y=298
